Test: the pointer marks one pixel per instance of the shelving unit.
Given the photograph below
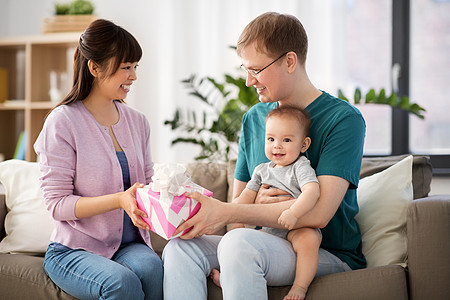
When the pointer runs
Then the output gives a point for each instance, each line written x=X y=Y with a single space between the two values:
x=29 y=61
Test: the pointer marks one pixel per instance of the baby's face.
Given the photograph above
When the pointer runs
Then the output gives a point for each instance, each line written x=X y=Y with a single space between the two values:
x=284 y=140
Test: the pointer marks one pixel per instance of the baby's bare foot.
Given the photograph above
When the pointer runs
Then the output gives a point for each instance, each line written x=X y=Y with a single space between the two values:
x=215 y=277
x=296 y=293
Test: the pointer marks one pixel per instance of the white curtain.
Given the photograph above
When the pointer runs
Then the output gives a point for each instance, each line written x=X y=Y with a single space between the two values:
x=183 y=37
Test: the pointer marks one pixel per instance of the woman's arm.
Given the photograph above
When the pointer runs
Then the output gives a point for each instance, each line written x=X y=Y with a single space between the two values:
x=215 y=214
x=91 y=206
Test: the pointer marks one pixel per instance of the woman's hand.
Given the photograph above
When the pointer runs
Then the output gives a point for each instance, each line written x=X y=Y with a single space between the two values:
x=210 y=218
x=127 y=201
x=267 y=194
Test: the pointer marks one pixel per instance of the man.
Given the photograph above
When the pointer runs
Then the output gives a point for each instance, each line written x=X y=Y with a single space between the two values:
x=273 y=49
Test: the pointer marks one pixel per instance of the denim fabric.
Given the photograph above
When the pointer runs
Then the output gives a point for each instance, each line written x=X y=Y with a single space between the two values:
x=134 y=272
x=249 y=261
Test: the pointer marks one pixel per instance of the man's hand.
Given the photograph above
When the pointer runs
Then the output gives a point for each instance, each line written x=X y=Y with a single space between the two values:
x=211 y=217
x=267 y=194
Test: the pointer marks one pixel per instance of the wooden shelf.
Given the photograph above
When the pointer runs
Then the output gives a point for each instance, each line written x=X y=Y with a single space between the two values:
x=29 y=60
x=12 y=105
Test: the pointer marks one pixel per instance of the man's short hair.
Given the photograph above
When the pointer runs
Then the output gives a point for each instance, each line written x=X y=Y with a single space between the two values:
x=274 y=35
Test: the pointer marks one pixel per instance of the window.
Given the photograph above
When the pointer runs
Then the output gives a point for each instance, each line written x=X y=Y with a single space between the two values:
x=369 y=31
x=429 y=78
x=415 y=36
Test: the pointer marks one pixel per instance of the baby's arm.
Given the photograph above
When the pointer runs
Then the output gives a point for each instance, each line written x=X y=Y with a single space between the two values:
x=247 y=196
x=308 y=198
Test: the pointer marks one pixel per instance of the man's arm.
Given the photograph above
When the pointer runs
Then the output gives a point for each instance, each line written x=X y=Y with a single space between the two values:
x=332 y=191
x=241 y=195
x=238 y=187
x=215 y=214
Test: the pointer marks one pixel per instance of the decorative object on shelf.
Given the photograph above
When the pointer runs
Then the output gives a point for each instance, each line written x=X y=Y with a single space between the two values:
x=3 y=85
x=216 y=130
x=19 y=153
x=58 y=85
x=74 y=16
x=393 y=100
x=29 y=60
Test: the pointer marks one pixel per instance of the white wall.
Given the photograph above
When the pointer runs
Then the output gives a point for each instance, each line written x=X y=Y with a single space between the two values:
x=182 y=37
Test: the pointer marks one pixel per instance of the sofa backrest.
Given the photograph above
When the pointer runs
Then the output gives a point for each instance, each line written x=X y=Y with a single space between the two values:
x=218 y=177
x=421 y=173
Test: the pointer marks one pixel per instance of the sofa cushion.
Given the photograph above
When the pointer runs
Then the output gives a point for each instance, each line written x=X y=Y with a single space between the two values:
x=23 y=277
x=2 y=216
x=421 y=174
x=28 y=224
x=383 y=199
x=388 y=282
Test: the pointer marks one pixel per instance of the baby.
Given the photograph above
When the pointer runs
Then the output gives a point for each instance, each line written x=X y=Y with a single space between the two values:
x=287 y=130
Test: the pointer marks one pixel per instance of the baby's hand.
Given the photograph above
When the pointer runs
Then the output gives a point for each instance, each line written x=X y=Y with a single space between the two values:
x=235 y=226
x=287 y=219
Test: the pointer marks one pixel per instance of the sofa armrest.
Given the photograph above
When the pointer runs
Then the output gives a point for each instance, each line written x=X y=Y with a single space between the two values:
x=428 y=232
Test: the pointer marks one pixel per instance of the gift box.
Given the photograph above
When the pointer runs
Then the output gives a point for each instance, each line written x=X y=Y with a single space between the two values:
x=165 y=202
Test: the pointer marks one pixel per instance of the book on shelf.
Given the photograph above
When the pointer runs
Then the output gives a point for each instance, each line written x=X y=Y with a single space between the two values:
x=19 y=153
x=3 y=85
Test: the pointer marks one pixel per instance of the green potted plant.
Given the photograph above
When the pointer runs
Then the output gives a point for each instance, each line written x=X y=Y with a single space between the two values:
x=381 y=98
x=72 y=16
x=215 y=130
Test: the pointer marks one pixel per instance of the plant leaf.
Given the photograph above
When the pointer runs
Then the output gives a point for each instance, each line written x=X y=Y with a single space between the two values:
x=357 y=96
x=370 y=96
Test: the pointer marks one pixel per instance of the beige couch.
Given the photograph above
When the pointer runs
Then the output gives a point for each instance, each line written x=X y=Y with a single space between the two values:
x=423 y=274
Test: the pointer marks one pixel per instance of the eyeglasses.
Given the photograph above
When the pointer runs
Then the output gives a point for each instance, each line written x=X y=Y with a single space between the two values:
x=254 y=73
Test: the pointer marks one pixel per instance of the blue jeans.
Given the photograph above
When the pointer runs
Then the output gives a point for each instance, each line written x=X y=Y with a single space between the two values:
x=134 y=272
x=248 y=260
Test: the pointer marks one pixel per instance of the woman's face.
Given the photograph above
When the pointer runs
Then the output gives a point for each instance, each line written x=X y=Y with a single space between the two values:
x=117 y=85
x=271 y=83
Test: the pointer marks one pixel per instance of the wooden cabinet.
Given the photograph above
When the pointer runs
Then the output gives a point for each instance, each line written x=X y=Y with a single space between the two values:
x=33 y=64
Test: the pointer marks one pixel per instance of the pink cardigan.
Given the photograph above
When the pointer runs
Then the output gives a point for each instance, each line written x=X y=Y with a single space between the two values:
x=77 y=158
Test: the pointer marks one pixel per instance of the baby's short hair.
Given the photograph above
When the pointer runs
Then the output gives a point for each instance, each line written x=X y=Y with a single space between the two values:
x=295 y=112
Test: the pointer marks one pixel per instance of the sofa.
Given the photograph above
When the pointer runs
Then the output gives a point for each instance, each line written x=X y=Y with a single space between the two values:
x=406 y=233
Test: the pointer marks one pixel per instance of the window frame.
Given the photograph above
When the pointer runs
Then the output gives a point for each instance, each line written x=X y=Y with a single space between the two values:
x=401 y=14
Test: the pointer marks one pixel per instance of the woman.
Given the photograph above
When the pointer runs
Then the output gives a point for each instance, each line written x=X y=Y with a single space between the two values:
x=94 y=153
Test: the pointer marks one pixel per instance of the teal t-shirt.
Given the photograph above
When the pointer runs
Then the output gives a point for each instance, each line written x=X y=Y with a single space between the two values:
x=337 y=132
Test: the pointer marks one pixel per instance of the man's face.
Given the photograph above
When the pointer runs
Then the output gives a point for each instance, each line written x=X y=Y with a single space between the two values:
x=269 y=83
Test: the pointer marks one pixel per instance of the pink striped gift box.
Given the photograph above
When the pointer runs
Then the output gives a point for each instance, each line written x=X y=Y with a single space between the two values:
x=166 y=211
